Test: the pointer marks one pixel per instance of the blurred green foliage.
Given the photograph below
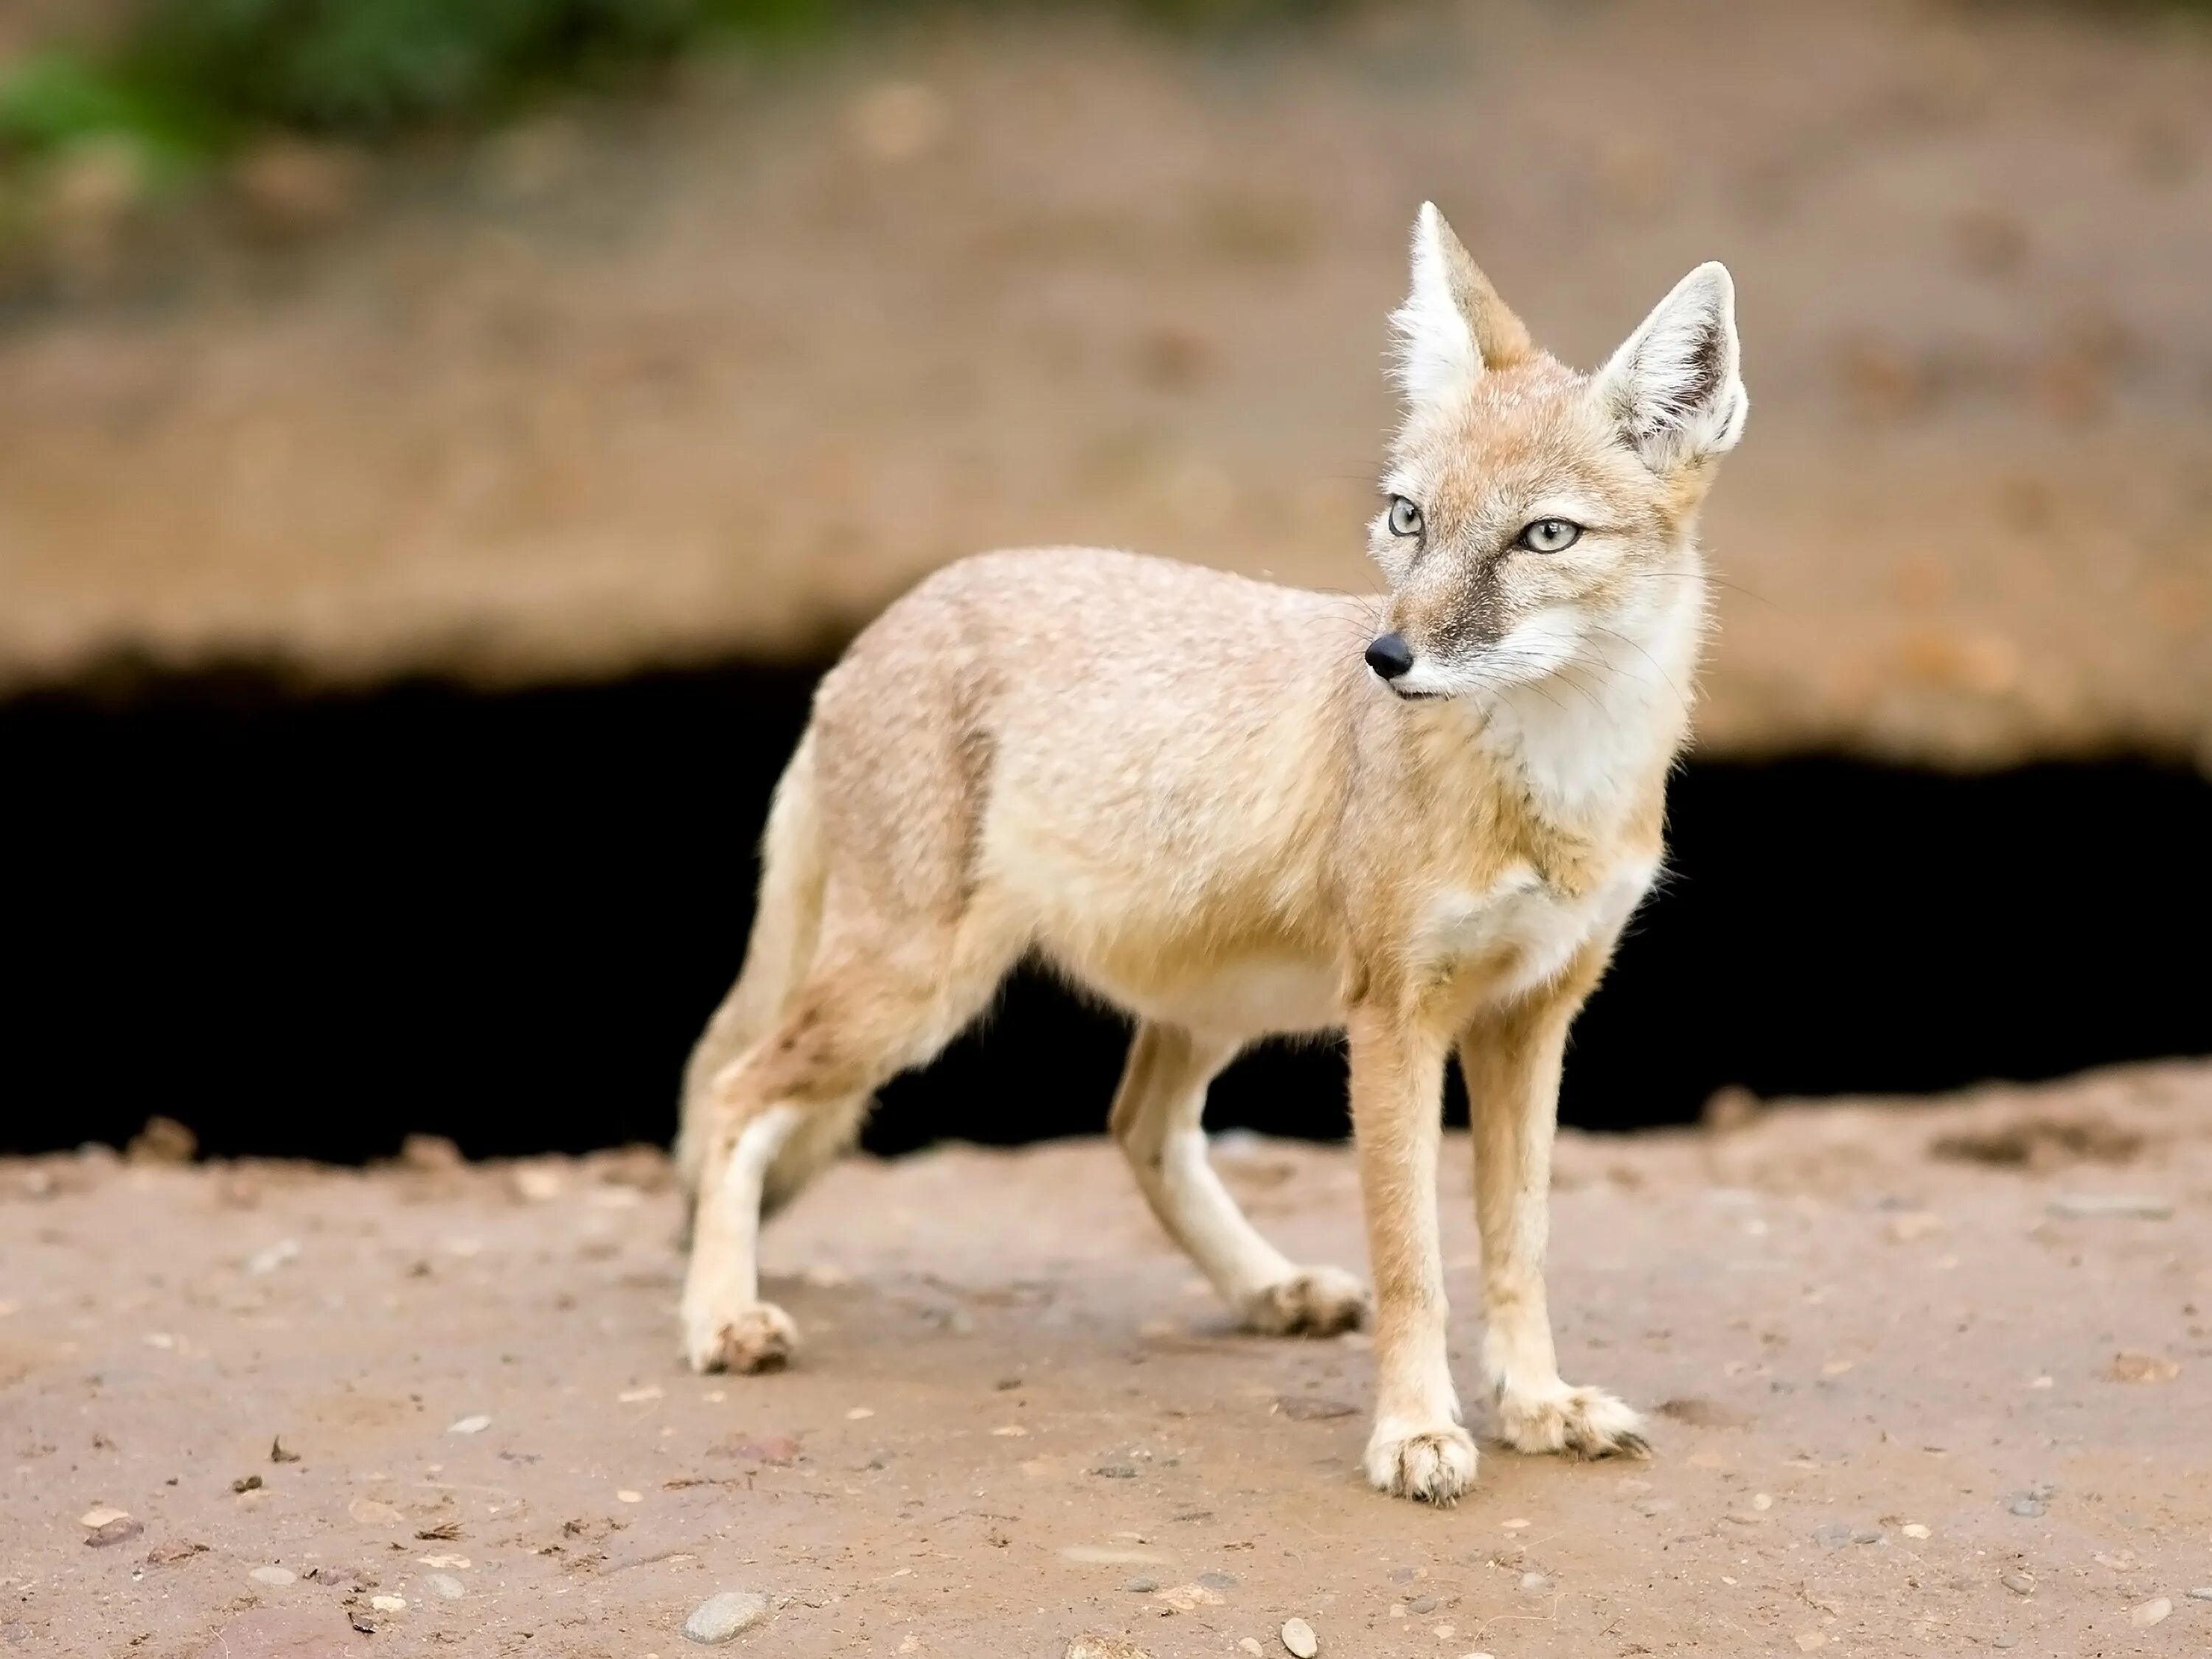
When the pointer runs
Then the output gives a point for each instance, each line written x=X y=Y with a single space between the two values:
x=185 y=80
x=52 y=101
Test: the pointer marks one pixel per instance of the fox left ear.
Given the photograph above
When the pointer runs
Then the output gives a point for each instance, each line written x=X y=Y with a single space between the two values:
x=1674 y=386
x=1453 y=325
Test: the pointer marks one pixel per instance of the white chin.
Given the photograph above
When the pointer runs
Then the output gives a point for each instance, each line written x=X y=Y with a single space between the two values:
x=1420 y=682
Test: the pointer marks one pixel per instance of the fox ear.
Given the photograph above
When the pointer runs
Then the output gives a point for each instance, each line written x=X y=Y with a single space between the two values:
x=1674 y=386
x=1453 y=325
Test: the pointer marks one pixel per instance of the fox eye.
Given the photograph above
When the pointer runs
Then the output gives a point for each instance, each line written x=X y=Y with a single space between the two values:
x=1405 y=517
x=1548 y=535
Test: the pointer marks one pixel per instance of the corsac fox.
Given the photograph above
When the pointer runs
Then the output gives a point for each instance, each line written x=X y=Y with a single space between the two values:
x=1234 y=809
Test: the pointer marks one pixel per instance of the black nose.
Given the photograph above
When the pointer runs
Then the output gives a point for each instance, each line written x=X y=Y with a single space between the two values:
x=1390 y=656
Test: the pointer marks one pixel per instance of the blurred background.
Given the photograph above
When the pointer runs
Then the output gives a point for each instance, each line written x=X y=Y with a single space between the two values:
x=441 y=445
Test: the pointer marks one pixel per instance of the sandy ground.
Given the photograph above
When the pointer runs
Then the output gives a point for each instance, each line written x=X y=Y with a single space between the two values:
x=722 y=373
x=1910 y=1397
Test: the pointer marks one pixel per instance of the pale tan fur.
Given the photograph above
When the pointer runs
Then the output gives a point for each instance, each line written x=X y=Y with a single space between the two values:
x=1186 y=792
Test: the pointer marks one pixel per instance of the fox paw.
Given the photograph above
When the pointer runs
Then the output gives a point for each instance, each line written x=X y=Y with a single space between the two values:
x=758 y=1337
x=1434 y=1465
x=1314 y=1301
x=1579 y=1422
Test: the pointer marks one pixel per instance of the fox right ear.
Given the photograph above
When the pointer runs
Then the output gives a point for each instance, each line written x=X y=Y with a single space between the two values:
x=1674 y=388
x=1453 y=325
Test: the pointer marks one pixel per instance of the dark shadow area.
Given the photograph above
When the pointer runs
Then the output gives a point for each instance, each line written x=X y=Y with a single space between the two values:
x=309 y=925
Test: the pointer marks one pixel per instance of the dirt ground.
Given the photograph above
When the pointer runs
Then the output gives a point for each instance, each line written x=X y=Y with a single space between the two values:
x=1936 y=1379
x=720 y=373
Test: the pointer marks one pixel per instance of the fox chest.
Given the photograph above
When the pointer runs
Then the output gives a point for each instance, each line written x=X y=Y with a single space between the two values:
x=1521 y=931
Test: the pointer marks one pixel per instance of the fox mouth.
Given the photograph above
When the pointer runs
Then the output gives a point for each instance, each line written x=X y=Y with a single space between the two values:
x=1417 y=697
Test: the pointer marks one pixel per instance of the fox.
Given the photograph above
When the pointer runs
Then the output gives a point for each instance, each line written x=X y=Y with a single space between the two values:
x=1236 y=811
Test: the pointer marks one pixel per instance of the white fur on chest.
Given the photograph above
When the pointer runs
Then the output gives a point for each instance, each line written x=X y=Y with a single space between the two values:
x=1535 y=927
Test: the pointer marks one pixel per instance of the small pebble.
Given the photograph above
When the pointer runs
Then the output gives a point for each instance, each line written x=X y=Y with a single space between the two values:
x=720 y=1617
x=626 y=1496
x=1104 y=1647
x=1422 y=1604
x=1189 y=1598
x=859 y=1412
x=270 y=1258
x=2201 y=1593
x=1914 y=1529
x=1219 y=1581
x=1141 y=1586
x=1250 y=1645
x=474 y=1424
x=447 y=1586
x=272 y=1575
x=388 y=1603
x=2028 y=1507
x=1298 y=1636
x=2151 y=1612
x=2019 y=1583
x=2004 y=1641
x=1532 y=1582
x=117 y=1528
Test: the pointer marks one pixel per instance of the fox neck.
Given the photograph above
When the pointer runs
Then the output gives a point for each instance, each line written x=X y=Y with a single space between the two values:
x=1590 y=739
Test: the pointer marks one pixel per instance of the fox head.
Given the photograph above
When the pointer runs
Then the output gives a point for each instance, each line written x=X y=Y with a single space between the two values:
x=1538 y=521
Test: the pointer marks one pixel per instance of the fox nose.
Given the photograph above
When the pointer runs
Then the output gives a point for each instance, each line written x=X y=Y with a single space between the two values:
x=1390 y=656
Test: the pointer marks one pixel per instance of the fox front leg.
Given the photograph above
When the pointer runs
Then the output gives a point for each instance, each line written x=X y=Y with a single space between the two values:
x=1418 y=1448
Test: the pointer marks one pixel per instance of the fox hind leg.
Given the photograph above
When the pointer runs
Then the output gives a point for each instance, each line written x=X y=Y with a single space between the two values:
x=1156 y=1118
x=867 y=1012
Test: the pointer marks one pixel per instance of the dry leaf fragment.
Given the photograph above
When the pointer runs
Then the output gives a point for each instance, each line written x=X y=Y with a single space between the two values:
x=2130 y=1366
